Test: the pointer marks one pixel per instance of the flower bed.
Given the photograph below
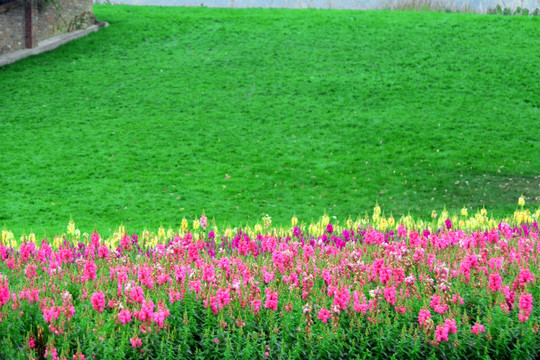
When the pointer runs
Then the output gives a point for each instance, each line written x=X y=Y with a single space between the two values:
x=457 y=287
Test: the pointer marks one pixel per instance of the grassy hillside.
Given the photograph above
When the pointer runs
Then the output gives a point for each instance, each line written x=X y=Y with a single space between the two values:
x=243 y=112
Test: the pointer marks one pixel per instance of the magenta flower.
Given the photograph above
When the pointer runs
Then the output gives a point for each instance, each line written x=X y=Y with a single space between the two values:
x=329 y=228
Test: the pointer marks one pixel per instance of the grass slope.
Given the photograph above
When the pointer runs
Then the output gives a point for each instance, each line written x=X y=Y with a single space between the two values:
x=241 y=112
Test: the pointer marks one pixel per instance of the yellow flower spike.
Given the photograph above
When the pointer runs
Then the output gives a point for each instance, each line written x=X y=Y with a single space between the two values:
x=196 y=224
x=521 y=201
x=32 y=237
x=71 y=227
x=294 y=221
x=170 y=233
x=228 y=233
x=433 y=214
x=440 y=221
x=161 y=232
x=313 y=229
x=258 y=228
x=478 y=217
x=444 y=214
x=383 y=224
x=267 y=221
x=483 y=212
x=325 y=220
x=464 y=212
x=184 y=225
x=391 y=221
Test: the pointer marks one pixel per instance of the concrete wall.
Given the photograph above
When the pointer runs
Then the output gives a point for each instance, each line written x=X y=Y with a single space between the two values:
x=61 y=17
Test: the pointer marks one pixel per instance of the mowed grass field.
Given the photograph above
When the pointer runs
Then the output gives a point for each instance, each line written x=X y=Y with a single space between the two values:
x=170 y=112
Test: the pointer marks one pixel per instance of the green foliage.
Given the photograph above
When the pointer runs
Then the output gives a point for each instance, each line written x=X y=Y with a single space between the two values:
x=240 y=112
x=519 y=11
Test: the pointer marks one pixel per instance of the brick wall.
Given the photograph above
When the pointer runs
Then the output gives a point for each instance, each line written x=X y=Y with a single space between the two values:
x=64 y=16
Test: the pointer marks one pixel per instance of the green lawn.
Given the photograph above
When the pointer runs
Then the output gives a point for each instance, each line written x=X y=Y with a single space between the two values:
x=243 y=112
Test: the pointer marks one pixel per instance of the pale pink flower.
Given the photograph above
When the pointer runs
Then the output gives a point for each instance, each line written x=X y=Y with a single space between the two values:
x=477 y=329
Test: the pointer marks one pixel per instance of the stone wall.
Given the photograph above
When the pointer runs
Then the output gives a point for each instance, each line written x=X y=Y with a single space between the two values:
x=12 y=32
x=60 y=17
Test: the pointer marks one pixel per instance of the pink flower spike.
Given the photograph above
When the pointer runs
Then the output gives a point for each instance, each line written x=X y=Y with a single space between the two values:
x=423 y=316
x=135 y=342
x=98 y=301
x=324 y=314
x=451 y=324
x=124 y=316
x=477 y=329
x=441 y=332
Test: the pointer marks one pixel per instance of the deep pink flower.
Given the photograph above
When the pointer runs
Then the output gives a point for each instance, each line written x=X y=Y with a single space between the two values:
x=390 y=294
x=255 y=306
x=31 y=342
x=98 y=301
x=451 y=324
x=324 y=314
x=124 y=316
x=5 y=295
x=441 y=332
x=195 y=286
x=89 y=270
x=525 y=306
x=495 y=281
x=423 y=316
x=525 y=277
x=271 y=301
